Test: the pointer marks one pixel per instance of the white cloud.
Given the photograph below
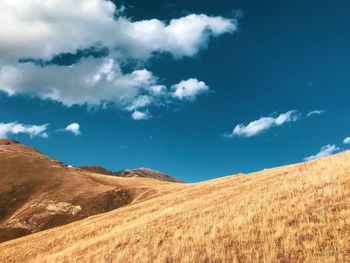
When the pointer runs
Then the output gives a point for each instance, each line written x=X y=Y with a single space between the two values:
x=189 y=89
x=264 y=123
x=158 y=90
x=346 y=140
x=325 y=151
x=7 y=129
x=139 y=115
x=73 y=128
x=42 y=29
x=137 y=105
x=315 y=112
x=140 y=102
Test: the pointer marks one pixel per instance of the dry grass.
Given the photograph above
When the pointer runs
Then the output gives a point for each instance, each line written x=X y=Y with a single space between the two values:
x=298 y=213
x=38 y=192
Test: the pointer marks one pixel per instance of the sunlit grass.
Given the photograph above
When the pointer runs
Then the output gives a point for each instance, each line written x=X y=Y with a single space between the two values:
x=298 y=213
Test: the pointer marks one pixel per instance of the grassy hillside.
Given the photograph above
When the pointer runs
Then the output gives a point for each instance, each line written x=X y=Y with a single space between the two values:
x=288 y=214
x=38 y=192
x=139 y=172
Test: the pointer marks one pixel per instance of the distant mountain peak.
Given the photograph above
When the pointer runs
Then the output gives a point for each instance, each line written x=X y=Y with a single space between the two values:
x=147 y=173
x=138 y=172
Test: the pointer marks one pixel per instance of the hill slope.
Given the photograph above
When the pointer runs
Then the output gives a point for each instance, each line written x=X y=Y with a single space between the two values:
x=38 y=192
x=97 y=169
x=289 y=214
x=147 y=173
x=139 y=172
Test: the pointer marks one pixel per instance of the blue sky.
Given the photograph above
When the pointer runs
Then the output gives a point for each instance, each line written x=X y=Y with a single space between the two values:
x=226 y=87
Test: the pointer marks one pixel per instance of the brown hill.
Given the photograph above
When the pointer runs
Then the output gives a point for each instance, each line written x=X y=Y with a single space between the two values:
x=139 y=172
x=296 y=213
x=38 y=192
x=97 y=169
x=147 y=173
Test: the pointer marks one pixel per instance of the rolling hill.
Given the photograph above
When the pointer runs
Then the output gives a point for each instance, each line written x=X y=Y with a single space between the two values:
x=38 y=192
x=295 y=213
x=96 y=169
x=147 y=173
x=139 y=172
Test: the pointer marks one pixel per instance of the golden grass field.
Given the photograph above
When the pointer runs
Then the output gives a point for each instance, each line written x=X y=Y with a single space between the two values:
x=296 y=213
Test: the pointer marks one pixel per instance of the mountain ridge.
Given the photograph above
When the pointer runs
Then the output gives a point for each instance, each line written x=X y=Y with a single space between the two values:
x=137 y=172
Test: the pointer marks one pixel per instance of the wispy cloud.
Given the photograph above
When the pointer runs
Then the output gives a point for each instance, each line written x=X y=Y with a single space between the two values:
x=7 y=129
x=264 y=123
x=315 y=112
x=326 y=150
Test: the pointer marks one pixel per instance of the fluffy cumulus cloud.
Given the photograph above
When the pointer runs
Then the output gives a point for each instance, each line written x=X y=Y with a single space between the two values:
x=189 y=89
x=326 y=150
x=264 y=123
x=7 y=129
x=346 y=140
x=39 y=37
x=73 y=128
